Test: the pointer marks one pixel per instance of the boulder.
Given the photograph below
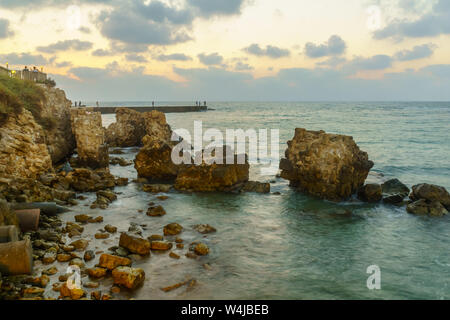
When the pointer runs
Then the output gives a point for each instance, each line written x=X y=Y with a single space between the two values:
x=73 y=293
x=213 y=177
x=128 y=130
x=201 y=249
x=329 y=166
x=370 y=193
x=394 y=191
x=172 y=229
x=85 y=180
x=425 y=207
x=96 y=272
x=80 y=244
x=161 y=245
x=431 y=193
x=90 y=138
x=128 y=277
x=156 y=211
x=154 y=161
x=156 y=188
x=134 y=244
x=111 y=262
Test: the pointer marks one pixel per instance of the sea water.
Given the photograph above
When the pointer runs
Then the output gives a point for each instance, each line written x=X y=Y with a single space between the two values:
x=293 y=246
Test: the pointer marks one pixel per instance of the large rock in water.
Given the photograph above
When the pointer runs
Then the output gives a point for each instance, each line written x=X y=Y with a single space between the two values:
x=128 y=130
x=329 y=166
x=394 y=191
x=23 y=152
x=90 y=138
x=154 y=160
x=213 y=177
x=59 y=137
x=431 y=193
x=425 y=207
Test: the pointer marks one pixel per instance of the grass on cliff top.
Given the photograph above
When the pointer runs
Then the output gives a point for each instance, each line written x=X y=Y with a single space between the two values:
x=16 y=95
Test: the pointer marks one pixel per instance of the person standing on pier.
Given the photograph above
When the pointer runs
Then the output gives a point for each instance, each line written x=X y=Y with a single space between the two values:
x=97 y=104
x=153 y=103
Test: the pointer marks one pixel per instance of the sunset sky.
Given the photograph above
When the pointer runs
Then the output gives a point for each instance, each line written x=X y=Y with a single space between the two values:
x=233 y=49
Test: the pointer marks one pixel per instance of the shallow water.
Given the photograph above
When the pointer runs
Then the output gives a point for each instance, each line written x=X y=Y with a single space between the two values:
x=292 y=246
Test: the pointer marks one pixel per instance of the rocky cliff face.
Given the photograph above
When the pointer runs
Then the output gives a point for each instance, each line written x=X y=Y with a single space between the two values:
x=329 y=166
x=128 y=130
x=23 y=151
x=59 y=137
x=90 y=138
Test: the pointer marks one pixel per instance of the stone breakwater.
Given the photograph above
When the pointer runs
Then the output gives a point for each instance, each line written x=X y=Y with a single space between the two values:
x=323 y=165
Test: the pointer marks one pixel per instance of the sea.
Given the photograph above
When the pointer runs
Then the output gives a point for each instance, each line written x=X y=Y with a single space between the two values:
x=291 y=245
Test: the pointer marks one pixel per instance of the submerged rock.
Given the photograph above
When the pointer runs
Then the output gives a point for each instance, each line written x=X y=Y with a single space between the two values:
x=425 y=207
x=172 y=229
x=85 y=180
x=370 y=193
x=157 y=211
x=329 y=166
x=156 y=188
x=90 y=138
x=161 y=245
x=128 y=277
x=258 y=187
x=204 y=228
x=394 y=191
x=201 y=249
x=431 y=193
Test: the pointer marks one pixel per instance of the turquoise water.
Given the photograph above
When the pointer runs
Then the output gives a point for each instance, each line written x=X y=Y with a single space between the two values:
x=292 y=246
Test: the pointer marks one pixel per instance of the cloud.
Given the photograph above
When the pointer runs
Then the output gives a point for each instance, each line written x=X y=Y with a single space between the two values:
x=102 y=53
x=84 y=30
x=173 y=57
x=434 y=23
x=11 y=4
x=152 y=24
x=270 y=51
x=418 y=52
x=136 y=58
x=242 y=66
x=210 y=59
x=5 y=30
x=377 y=62
x=63 y=64
x=76 y=45
x=295 y=84
x=335 y=46
x=24 y=59
x=217 y=7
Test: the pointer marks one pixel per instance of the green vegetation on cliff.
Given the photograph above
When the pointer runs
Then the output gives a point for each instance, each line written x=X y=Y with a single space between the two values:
x=16 y=94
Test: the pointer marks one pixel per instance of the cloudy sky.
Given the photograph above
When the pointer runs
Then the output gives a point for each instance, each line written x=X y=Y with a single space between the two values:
x=233 y=49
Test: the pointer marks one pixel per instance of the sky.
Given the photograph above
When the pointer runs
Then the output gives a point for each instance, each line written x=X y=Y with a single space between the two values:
x=233 y=50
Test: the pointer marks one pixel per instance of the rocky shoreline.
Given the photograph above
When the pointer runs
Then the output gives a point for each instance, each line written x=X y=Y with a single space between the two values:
x=56 y=164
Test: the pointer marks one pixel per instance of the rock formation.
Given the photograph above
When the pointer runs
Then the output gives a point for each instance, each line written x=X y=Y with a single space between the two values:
x=370 y=193
x=23 y=152
x=213 y=177
x=128 y=130
x=429 y=200
x=59 y=137
x=90 y=138
x=154 y=160
x=394 y=191
x=329 y=166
